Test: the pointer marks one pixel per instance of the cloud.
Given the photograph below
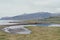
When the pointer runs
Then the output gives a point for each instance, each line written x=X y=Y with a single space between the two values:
x=47 y=5
x=16 y=7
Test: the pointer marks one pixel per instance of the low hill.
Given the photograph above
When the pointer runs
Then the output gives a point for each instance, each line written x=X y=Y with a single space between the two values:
x=37 y=15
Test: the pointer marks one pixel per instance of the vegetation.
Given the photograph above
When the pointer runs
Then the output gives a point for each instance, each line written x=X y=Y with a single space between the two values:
x=46 y=20
x=38 y=33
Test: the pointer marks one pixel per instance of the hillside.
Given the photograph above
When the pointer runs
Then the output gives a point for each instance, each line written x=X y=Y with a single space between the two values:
x=37 y=15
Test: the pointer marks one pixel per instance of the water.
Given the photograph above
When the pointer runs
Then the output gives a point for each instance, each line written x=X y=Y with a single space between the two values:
x=42 y=24
x=54 y=25
x=20 y=29
x=7 y=22
x=16 y=30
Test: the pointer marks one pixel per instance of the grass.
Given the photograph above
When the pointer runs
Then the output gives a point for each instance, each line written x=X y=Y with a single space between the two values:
x=38 y=33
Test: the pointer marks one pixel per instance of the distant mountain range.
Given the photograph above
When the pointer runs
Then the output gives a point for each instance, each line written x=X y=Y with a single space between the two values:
x=37 y=15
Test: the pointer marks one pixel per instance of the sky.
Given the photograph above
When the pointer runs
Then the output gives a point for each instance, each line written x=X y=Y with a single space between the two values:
x=18 y=7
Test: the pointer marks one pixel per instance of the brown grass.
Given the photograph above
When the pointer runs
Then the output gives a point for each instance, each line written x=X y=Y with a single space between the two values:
x=38 y=33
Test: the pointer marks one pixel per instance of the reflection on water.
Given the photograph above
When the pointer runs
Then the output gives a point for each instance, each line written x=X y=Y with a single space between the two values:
x=54 y=25
x=20 y=28
x=42 y=24
x=17 y=30
x=6 y=22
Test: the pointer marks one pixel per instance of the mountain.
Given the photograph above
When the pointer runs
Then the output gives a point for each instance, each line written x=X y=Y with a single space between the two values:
x=37 y=15
x=55 y=14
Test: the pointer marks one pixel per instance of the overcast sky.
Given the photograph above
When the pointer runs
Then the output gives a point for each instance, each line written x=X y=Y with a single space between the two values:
x=16 y=7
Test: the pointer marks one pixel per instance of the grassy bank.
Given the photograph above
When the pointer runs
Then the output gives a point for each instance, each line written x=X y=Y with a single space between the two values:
x=38 y=33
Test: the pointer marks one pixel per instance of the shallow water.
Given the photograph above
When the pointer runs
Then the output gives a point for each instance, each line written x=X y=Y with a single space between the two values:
x=54 y=25
x=16 y=30
x=6 y=22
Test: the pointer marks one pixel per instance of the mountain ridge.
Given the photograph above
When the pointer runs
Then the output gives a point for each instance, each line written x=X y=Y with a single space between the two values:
x=37 y=15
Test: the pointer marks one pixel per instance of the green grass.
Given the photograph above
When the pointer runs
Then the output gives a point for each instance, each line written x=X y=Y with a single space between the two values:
x=38 y=33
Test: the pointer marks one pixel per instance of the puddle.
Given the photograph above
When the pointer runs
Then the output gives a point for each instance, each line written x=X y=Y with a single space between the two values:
x=17 y=30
